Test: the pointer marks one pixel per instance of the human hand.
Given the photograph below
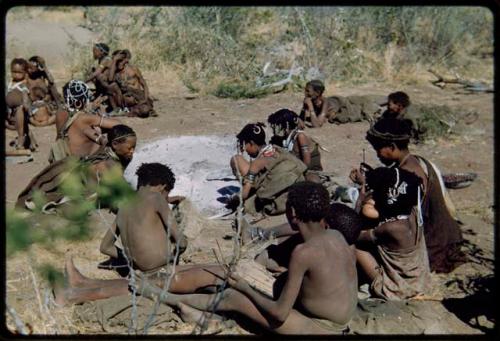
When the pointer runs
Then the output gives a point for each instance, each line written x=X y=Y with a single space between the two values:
x=237 y=282
x=308 y=103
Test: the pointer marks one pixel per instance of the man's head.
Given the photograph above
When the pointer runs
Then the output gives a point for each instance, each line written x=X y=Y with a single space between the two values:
x=122 y=139
x=307 y=202
x=283 y=122
x=76 y=94
x=314 y=89
x=398 y=101
x=100 y=50
x=389 y=136
x=18 y=69
x=395 y=190
x=251 y=138
x=155 y=174
x=344 y=219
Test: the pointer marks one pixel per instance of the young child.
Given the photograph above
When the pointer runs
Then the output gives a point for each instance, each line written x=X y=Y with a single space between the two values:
x=79 y=132
x=117 y=153
x=40 y=114
x=443 y=237
x=402 y=269
x=148 y=224
x=285 y=125
x=319 y=296
x=135 y=92
x=18 y=104
x=268 y=176
x=399 y=106
x=337 y=109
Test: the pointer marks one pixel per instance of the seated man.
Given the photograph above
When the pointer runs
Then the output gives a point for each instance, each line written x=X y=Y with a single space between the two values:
x=79 y=132
x=104 y=85
x=18 y=105
x=443 y=237
x=319 y=296
x=40 y=114
x=337 y=109
x=39 y=76
x=117 y=153
x=268 y=176
x=134 y=90
x=287 y=134
x=399 y=268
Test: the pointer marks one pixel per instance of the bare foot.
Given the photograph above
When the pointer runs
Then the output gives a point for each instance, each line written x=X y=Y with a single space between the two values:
x=74 y=277
x=211 y=323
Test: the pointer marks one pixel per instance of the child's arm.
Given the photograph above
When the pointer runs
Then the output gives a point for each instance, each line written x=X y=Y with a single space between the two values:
x=304 y=146
x=368 y=209
x=279 y=309
x=108 y=242
x=316 y=120
x=169 y=223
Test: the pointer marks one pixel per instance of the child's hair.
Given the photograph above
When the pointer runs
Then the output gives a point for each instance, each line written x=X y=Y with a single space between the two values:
x=399 y=97
x=19 y=61
x=36 y=60
x=252 y=132
x=76 y=91
x=127 y=53
x=103 y=48
x=119 y=134
x=310 y=201
x=316 y=85
x=38 y=92
x=387 y=131
x=344 y=219
x=284 y=118
x=155 y=174
x=395 y=190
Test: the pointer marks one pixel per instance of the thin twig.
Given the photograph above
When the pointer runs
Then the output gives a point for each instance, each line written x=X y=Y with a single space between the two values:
x=37 y=293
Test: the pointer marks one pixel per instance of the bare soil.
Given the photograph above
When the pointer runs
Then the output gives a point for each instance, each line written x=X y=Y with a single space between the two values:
x=470 y=151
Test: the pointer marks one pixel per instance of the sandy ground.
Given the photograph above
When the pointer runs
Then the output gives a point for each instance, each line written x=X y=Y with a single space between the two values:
x=470 y=151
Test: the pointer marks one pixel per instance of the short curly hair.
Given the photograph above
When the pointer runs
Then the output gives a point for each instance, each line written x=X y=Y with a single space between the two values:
x=399 y=97
x=310 y=201
x=284 y=118
x=316 y=85
x=344 y=219
x=154 y=174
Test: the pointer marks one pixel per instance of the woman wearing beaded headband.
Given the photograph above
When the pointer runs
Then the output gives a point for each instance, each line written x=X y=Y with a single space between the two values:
x=267 y=176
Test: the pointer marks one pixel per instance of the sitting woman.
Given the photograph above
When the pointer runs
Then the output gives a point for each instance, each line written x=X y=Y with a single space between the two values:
x=287 y=134
x=267 y=177
x=393 y=254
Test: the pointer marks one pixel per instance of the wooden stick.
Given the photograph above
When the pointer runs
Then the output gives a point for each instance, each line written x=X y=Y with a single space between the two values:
x=18 y=152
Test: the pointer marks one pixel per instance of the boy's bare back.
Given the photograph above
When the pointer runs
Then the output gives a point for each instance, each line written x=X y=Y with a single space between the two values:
x=329 y=287
x=143 y=232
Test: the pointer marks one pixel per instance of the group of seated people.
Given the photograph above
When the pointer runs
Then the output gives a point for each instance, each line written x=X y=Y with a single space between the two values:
x=400 y=229
x=33 y=99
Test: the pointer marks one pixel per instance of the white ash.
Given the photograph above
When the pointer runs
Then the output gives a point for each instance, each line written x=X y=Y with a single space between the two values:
x=193 y=159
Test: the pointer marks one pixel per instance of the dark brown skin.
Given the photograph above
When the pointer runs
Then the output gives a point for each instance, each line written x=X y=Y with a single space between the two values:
x=130 y=77
x=144 y=229
x=321 y=281
x=305 y=156
x=315 y=99
x=39 y=76
x=83 y=137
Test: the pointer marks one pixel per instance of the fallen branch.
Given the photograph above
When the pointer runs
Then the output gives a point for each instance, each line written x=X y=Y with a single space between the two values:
x=467 y=84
